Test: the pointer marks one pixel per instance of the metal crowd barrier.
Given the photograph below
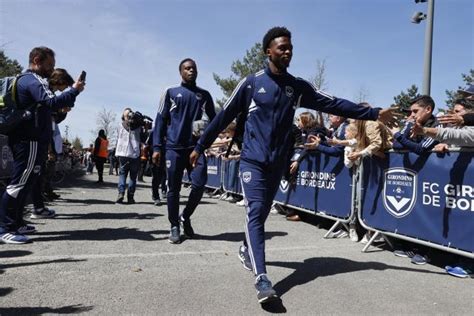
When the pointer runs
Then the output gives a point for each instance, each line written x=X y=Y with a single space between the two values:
x=427 y=199
x=320 y=182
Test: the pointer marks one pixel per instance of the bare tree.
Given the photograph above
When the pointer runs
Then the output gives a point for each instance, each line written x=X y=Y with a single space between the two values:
x=321 y=83
x=106 y=120
x=319 y=80
x=362 y=95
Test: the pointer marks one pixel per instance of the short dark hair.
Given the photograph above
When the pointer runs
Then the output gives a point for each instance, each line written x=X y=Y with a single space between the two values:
x=274 y=32
x=42 y=52
x=59 y=77
x=183 y=61
x=467 y=104
x=424 y=101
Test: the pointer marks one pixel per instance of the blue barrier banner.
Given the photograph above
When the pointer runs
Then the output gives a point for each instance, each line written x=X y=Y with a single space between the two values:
x=322 y=184
x=428 y=197
x=231 y=180
x=213 y=172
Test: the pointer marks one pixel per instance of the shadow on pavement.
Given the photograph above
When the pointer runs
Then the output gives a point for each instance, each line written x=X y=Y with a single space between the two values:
x=14 y=253
x=100 y=215
x=313 y=268
x=275 y=307
x=25 y=264
x=86 y=201
x=101 y=234
x=5 y=291
x=237 y=236
x=71 y=309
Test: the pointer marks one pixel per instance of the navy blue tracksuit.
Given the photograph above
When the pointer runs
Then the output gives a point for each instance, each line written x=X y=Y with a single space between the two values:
x=271 y=101
x=179 y=108
x=30 y=139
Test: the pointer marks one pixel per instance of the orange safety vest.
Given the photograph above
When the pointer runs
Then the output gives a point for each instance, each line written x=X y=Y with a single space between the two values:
x=104 y=145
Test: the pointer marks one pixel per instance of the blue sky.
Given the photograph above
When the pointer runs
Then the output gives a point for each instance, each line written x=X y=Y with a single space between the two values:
x=131 y=49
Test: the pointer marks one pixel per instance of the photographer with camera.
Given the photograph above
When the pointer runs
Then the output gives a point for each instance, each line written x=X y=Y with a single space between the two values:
x=128 y=152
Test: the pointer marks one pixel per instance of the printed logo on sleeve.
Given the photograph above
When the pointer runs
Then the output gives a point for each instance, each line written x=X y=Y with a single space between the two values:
x=246 y=176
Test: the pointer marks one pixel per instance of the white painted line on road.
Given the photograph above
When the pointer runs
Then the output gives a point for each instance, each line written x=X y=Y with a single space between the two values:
x=145 y=255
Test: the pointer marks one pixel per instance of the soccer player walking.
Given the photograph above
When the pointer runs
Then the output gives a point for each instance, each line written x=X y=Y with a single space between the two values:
x=270 y=97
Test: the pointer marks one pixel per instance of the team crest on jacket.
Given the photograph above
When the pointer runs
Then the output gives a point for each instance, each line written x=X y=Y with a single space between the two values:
x=199 y=96
x=246 y=176
x=399 y=191
x=284 y=185
x=289 y=91
x=6 y=156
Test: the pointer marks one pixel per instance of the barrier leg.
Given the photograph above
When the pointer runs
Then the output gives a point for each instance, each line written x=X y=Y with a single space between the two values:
x=377 y=233
x=214 y=193
x=387 y=240
x=333 y=228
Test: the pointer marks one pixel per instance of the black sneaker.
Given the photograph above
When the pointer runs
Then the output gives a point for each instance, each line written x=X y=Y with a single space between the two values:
x=130 y=199
x=245 y=258
x=187 y=228
x=120 y=198
x=174 y=237
x=265 y=291
x=157 y=202
x=26 y=229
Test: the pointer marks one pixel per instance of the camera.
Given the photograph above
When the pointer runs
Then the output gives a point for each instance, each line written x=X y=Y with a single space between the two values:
x=136 y=120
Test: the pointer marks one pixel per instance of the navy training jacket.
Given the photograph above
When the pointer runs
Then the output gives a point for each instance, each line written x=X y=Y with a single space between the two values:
x=271 y=101
x=33 y=89
x=179 y=108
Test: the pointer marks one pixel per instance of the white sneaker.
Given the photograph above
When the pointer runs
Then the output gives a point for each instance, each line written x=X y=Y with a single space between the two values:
x=274 y=210
x=240 y=203
x=230 y=198
x=365 y=239
x=353 y=235
x=43 y=213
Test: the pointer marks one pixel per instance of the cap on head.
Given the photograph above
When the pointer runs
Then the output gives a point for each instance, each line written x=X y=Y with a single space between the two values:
x=274 y=32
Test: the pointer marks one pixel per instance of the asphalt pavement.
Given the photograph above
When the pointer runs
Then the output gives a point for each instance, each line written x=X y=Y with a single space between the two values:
x=100 y=258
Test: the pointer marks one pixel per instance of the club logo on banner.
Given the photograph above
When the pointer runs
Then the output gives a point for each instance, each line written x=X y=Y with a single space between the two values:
x=284 y=185
x=399 y=191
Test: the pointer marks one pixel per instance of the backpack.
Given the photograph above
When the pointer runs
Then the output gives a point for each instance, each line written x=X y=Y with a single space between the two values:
x=11 y=114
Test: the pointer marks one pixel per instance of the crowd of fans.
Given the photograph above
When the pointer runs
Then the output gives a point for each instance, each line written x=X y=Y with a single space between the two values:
x=420 y=131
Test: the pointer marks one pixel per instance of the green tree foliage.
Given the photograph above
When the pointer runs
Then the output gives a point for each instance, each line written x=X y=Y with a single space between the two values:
x=77 y=143
x=404 y=98
x=253 y=61
x=8 y=67
x=453 y=94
